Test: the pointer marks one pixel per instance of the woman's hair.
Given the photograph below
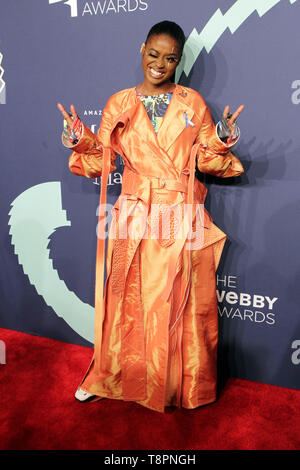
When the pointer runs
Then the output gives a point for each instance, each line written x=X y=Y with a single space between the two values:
x=170 y=29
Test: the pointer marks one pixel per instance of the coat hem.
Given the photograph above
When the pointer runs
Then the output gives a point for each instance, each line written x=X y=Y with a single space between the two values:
x=203 y=402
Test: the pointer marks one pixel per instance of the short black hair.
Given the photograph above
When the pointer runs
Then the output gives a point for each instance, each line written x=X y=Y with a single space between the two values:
x=170 y=29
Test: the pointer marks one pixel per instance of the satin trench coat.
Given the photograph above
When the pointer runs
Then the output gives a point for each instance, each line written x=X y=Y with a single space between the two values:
x=156 y=320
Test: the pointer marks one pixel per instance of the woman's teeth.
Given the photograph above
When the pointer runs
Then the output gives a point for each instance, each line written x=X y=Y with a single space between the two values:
x=156 y=74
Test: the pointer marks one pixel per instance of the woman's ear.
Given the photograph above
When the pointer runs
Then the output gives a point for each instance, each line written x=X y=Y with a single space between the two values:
x=142 y=50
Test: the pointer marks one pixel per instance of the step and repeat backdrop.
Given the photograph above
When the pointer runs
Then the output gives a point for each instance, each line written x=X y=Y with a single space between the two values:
x=81 y=52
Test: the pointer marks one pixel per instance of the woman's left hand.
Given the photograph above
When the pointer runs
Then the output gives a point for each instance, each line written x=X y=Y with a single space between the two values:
x=232 y=118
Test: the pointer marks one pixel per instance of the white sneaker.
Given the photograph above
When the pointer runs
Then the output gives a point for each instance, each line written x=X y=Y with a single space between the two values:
x=81 y=395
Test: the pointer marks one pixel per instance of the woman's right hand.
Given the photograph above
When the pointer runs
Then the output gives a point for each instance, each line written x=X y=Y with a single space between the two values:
x=69 y=119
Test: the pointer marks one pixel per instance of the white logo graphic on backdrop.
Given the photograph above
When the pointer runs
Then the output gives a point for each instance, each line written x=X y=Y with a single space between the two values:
x=115 y=6
x=296 y=354
x=71 y=3
x=2 y=352
x=103 y=7
x=296 y=94
x=256 y=308
x=2 y=83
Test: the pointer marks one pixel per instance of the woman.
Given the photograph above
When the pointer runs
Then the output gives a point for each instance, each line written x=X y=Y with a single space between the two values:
x=156 y=324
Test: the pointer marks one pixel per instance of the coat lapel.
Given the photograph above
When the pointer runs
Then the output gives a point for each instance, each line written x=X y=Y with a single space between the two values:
x=137 y=117
x=178 y=116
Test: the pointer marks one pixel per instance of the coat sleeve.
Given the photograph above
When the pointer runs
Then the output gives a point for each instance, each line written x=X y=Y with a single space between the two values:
x=87 y=156
x=214 y=156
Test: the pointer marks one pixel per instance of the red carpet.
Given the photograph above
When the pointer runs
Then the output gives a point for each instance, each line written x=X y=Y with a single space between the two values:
x=38 y=409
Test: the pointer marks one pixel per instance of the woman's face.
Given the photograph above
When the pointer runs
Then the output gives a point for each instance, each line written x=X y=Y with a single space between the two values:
x=161 y=56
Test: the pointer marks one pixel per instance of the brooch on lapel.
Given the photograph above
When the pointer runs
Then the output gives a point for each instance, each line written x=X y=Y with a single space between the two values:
x=183 y=93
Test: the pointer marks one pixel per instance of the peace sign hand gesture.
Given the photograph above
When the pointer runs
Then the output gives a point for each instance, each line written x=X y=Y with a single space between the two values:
x=72 y=119
x=231 y=120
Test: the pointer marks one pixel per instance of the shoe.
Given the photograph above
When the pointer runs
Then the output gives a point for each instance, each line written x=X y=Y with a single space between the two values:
x=83 y=396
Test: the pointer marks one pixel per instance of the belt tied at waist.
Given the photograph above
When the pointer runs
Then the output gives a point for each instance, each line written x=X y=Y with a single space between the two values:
x=141 y=185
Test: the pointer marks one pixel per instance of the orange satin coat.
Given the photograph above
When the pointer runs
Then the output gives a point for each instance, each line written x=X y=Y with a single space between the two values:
x=156 y=326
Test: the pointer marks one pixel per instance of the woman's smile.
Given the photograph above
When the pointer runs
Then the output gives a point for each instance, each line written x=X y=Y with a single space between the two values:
x=156 y=73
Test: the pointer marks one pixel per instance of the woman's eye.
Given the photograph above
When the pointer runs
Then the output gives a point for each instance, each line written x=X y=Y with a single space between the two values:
x=169 y=59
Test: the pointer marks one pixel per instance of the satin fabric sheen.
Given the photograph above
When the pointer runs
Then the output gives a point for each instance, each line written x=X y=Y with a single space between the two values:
x=156 y=328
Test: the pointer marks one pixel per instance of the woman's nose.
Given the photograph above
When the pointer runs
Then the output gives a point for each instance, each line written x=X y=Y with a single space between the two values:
x=159 y=62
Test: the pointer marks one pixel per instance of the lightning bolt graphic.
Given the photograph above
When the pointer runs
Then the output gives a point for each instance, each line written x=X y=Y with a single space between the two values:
x=215 y=27
x=2 y=82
